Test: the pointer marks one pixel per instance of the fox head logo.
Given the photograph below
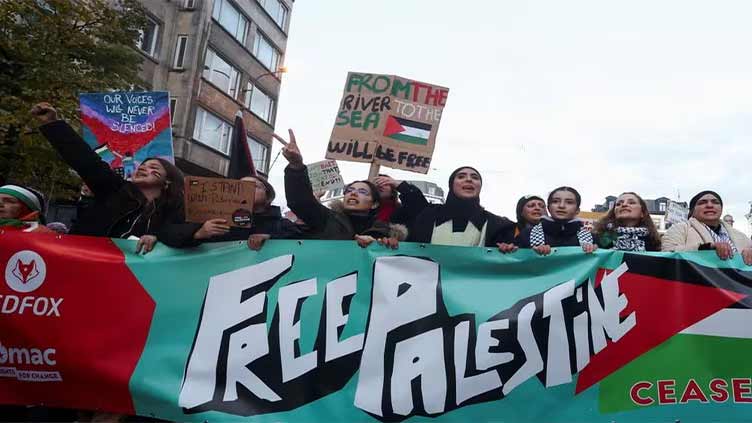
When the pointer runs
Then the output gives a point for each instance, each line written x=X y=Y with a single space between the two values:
x=25 y=272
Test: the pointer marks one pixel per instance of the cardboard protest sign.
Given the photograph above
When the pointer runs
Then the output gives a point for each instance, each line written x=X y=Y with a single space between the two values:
x=676 y=212
x=125 y=128
x=219 y=198
x=325 y=176
x=588 y=219
x=388 y=120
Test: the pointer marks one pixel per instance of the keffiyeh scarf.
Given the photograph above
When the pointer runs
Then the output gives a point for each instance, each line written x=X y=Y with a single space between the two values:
x=630 y=239
x=721 y=236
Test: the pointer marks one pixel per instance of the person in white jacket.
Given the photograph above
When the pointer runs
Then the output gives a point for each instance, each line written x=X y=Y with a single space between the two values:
x=706 y=231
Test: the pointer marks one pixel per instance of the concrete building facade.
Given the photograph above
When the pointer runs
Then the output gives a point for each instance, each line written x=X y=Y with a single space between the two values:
x=216 y=57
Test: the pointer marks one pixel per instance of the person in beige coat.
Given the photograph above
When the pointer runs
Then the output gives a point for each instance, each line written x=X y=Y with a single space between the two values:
x=706 y=231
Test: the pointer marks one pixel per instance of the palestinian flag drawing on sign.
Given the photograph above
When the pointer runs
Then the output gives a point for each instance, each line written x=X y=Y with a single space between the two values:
x=104 y=152
x=406 y=130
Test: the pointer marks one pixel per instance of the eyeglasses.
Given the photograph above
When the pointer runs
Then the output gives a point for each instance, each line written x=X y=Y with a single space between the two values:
x=359 y=191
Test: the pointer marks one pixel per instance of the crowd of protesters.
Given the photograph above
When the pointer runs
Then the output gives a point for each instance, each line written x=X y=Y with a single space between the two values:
x=149 y=208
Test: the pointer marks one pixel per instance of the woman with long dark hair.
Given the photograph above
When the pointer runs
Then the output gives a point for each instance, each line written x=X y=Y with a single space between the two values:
x=562 y=228
x=461 y=221
x=140 y=208
x=628 y=226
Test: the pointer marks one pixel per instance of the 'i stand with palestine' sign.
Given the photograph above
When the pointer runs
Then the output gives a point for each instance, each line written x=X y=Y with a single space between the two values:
x=388 y=120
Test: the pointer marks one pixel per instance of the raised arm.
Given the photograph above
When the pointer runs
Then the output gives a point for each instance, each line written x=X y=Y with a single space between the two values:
x=97 y=174
x=413 y=202
x=298 y=188
x=412 y=199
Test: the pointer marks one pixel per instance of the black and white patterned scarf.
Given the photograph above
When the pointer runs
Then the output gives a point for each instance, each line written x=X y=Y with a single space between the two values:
x=721 y=236
x=630 y=239
x=538 y=237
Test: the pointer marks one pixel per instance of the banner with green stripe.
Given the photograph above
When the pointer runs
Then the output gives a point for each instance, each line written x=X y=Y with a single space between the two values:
x=328 y=331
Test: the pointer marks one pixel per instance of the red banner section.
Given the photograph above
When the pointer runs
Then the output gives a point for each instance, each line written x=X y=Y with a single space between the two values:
x=80 y=320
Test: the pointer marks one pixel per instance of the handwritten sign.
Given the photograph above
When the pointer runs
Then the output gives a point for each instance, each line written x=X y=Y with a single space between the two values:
x=389 y=120
x=325 y=176
x=125 y=128
x=219 y=198
x=676 y=212
x=589 y=219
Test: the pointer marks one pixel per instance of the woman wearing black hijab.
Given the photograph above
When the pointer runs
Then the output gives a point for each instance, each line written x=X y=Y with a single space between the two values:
x=461 y=221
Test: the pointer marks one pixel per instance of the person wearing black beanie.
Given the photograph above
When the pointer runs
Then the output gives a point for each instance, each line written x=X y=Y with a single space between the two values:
x=706 y=231
x=696 y=198
x=461 y=221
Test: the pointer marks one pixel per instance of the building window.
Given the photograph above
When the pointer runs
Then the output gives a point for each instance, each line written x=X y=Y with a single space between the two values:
x=147 y=40
x=212 y=131
x=259 y=103
x=231 y=19
x=258 y=151
x=180 y=51
x=277 y=10
x=173 y=106
x=662 y=207
x=220 y=73
x=265 y=52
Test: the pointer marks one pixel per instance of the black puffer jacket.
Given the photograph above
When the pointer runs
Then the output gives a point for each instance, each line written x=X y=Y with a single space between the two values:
x=557 y=233
x=325 y=223
x=412 y=202
x=118 y=207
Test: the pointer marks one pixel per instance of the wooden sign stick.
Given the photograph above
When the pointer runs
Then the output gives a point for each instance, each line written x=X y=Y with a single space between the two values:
x=374 y=170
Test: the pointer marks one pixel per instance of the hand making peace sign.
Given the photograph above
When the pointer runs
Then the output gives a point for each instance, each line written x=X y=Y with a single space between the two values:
x=292 y=152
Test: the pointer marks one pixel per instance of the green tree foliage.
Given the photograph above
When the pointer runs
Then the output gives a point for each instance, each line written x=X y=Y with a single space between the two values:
x=53 y=50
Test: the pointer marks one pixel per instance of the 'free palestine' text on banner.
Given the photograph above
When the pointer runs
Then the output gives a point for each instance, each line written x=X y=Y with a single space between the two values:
x=327 y=331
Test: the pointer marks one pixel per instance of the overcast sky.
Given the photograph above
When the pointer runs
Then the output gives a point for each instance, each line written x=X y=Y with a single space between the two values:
x=646 y=96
